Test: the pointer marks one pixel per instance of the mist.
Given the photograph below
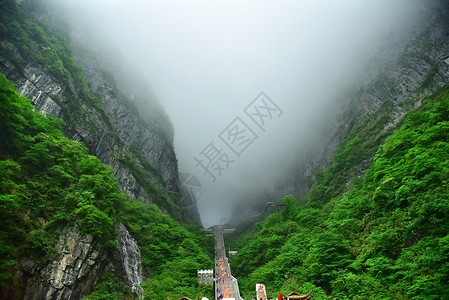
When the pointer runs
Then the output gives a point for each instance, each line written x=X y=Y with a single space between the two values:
x=206 y=61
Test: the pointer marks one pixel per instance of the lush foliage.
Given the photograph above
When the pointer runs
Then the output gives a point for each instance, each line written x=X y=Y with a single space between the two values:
x=28 y=41
x=48 y=182
x=110 y=288
x=387 y=236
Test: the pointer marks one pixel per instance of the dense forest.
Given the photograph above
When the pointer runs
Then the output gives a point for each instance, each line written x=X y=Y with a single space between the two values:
x=49 y=182
x=386 y=237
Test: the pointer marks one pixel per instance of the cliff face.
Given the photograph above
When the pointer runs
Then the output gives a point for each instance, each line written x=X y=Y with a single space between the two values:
x=100 y=109
x=75 y=268
x=109 y=134
x=70 y=274
x=378 y=105
x=147 y=142
x=73 y=86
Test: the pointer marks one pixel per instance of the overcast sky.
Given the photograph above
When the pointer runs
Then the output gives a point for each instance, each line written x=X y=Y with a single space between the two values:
x=206 y=61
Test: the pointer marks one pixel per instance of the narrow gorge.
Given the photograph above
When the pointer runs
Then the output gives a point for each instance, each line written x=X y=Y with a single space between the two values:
x=105 y=108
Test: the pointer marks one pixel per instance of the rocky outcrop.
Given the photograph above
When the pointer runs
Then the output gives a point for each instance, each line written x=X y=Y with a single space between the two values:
x=76 y=266
x=132 y=129
x=35 y=85
x=70 y=273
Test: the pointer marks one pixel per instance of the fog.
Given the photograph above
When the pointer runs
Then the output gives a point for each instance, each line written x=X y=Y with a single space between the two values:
x=206 y=61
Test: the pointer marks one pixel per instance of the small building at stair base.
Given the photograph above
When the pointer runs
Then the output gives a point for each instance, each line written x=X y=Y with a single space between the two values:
x=205 y=277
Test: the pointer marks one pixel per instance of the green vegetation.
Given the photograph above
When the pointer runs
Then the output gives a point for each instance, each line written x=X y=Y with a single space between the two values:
x=110 y=288
x=428 y=79
x=150 y=178
x=385 y=237
x=171 y=252
x=358 y=147
x=48 y=182
x=29 y=40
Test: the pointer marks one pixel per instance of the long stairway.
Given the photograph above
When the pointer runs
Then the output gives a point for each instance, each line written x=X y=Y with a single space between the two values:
x=225 y=284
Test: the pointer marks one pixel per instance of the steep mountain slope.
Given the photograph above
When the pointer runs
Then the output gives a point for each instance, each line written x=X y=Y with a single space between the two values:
x=373 y=219
x=70 y=224
x=42 y=65
x=378 y=105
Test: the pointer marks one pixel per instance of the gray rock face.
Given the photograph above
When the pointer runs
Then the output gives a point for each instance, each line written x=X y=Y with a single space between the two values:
x=130 y=127
x=70 y=274
x=75 y=268
x=35 y=85
x=40 y=89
